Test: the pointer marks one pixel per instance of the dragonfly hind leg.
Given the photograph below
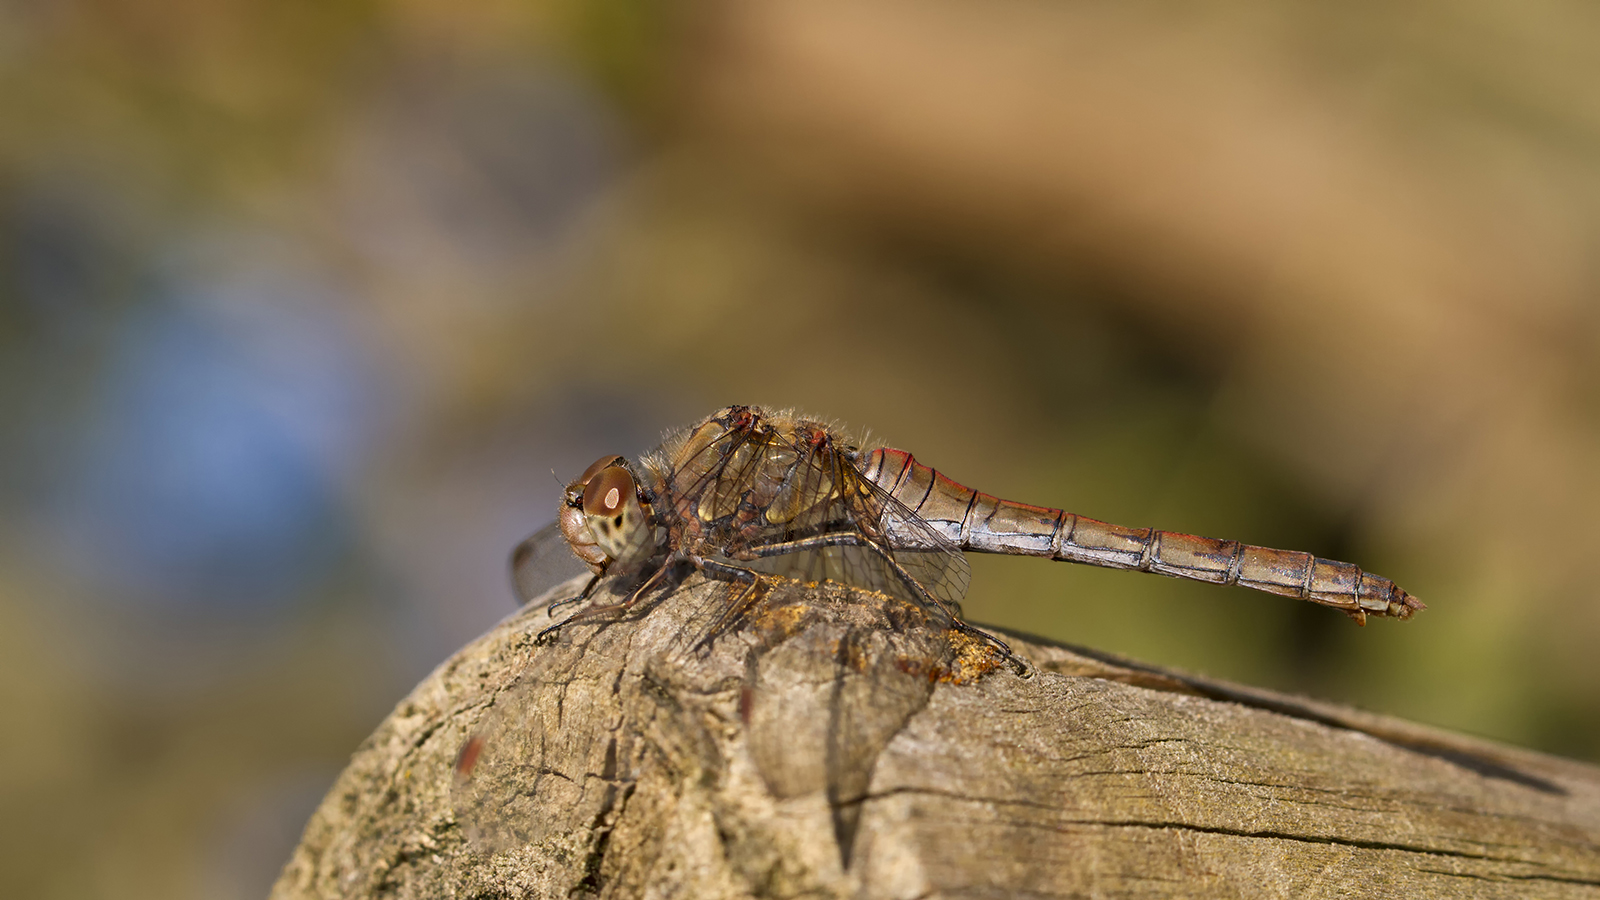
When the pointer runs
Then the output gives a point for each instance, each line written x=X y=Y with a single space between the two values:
x=756 y=585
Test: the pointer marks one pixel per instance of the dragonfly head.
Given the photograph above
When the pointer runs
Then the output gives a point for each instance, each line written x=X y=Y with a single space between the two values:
x=604 y=517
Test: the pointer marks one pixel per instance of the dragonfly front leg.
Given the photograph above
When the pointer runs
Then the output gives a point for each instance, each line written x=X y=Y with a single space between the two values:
x=583 y=615
x=575 y=598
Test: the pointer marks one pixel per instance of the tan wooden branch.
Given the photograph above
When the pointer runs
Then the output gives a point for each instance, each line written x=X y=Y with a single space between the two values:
x=814 y=750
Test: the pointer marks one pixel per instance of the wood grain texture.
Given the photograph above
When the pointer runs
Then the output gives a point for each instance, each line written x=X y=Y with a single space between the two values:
x=803 y=753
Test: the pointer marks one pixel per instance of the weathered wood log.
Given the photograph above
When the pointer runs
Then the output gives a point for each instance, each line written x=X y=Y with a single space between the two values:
x=825 y=744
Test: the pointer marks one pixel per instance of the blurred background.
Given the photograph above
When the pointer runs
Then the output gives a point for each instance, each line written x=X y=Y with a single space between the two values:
x=307 y=309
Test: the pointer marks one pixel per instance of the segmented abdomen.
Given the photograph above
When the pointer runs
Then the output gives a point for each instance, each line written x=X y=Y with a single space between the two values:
x=981 y=522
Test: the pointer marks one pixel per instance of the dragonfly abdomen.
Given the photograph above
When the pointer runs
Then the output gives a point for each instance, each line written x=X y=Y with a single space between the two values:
x=975 y=521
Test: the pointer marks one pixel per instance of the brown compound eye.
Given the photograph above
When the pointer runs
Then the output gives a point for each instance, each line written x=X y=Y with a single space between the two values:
x=604 y=462
x=607 y=491
x=574 y=492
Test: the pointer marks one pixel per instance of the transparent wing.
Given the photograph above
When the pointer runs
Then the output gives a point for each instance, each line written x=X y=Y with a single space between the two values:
x=835 y=524
x=933 y=559
x=543 y=561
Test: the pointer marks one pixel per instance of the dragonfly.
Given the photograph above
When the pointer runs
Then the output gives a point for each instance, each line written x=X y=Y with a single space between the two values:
x=748 y=495
x=780 y=506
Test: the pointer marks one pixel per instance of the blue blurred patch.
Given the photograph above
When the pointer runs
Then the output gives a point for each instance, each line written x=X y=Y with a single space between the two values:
x=229 y=411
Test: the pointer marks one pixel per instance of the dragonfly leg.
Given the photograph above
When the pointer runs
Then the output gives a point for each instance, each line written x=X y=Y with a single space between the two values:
x=756 y=584
x=576 y=598
x=856 y=539
x=583 y=615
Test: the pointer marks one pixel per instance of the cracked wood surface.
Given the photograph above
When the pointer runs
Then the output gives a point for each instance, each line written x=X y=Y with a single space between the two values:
x=826 y=748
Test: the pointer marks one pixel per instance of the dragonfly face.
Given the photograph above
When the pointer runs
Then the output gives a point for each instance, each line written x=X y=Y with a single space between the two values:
x=605 y=518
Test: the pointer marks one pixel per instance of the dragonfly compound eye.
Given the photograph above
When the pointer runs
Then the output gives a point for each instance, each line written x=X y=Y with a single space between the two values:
x=614 y=518
x=598 y=466
x=607 y=492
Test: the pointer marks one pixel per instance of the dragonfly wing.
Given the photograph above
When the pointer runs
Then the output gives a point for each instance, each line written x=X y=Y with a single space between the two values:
x=847 y=529
x=543 y=561
x=929 y=556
